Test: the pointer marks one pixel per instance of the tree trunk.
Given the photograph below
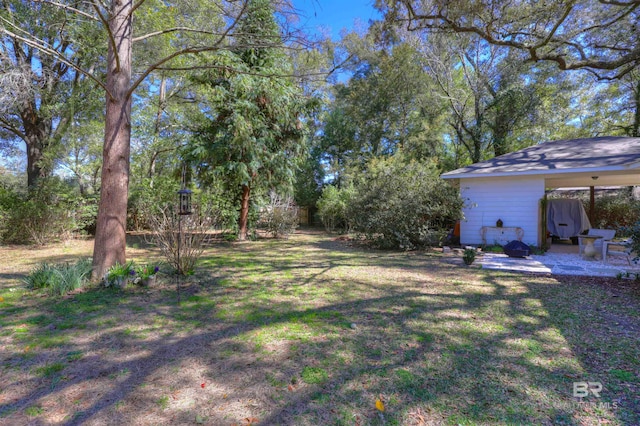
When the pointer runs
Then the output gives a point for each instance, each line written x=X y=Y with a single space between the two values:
x=110 y=242
x=34 y=170
x=37 y=134
x=244 y=213
x=635 y=129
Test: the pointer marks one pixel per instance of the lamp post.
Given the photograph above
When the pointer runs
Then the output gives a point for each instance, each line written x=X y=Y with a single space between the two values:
x=184 y=209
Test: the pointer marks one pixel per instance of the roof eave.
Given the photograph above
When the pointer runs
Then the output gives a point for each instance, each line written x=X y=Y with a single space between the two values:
x=633 y=166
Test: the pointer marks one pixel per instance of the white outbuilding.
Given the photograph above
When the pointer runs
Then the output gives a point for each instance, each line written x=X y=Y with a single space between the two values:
x=503 y=195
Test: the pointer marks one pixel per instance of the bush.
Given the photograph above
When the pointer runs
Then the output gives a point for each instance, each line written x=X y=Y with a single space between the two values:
x=146 y=202
x=404 y=204
x=59 y=280
x=633 y=232
x=165 y=225
x=618 y=212
x=333 y=208
x=50 y=211
x=469 y=256
x=279 y=217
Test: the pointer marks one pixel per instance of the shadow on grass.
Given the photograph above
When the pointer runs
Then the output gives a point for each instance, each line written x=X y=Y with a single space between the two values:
x=447 y=345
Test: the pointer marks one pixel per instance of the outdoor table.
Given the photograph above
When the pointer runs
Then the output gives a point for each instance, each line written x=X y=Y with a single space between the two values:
x=590 y=251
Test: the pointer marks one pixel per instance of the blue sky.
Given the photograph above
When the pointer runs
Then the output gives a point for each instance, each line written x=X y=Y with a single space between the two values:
x=332 y=16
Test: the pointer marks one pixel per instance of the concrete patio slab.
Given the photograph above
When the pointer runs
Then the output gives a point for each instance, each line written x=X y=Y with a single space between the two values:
x=557 y=263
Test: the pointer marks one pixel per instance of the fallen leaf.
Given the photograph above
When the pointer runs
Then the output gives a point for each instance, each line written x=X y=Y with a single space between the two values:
x=420 y=420
x=202 y=386
x=379 y=405
x=1 y=299
x=291 y=388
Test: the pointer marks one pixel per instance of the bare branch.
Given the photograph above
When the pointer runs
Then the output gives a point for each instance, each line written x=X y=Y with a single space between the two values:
x=112 y=40
x=176 y=29
x=621 y=3
x=69 y=8
x=188 y=50
x=326 y=74
x=37 y=44
x=588 y=29
x=157 y=65
x=555 y=27
x=10 y=127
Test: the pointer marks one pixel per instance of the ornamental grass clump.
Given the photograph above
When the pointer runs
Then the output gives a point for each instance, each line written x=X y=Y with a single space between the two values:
x=59 y=280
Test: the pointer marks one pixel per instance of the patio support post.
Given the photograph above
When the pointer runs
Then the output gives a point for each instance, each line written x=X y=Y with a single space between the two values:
x=592 y=203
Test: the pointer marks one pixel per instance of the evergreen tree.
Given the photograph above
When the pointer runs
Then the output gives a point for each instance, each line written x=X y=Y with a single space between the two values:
x=251 y=135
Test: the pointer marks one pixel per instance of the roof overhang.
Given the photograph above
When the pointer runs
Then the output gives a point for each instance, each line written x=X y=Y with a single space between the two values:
x=563 y=162
x=608 y=178
x=605 y=176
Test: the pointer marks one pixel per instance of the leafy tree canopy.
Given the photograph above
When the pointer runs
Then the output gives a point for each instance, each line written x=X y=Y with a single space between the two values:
x=601 y=36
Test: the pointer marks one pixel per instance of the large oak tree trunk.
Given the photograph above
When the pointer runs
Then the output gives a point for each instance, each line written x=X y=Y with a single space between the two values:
x=34 y=157
x=110 y=242
x=37 y=133
x=244 y=213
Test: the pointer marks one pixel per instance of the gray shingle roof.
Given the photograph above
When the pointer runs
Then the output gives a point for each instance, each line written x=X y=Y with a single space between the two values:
x=563 y=156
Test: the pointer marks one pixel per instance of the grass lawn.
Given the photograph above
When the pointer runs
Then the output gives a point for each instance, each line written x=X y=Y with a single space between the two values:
x=312 y=331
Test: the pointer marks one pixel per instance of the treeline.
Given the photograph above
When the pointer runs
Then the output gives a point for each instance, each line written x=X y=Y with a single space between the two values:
x=242 y=105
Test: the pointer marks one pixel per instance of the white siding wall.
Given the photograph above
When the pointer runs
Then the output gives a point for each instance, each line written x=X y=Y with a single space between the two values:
x=514 y=200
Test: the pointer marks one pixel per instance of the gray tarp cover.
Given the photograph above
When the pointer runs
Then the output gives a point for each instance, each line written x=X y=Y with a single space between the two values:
x=566 y=218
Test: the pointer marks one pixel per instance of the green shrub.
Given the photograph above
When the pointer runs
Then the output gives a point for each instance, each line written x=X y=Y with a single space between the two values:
x=145 y=199
x=333 y=208
x=617 y=212
x=146 y=202
x=401 y=203
x=469 y=256
x=50 y=211
x=634 y=232
x=59 y=280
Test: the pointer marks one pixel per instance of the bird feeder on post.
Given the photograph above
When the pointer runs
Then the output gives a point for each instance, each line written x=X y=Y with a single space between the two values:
x=184 y=200
x=184 y=209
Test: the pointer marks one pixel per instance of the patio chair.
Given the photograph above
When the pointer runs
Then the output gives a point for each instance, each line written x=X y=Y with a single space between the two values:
x=606 y=234
x=622 y=248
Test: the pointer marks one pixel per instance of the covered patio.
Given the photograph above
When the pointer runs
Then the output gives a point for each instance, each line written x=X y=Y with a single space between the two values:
x=503 y=195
